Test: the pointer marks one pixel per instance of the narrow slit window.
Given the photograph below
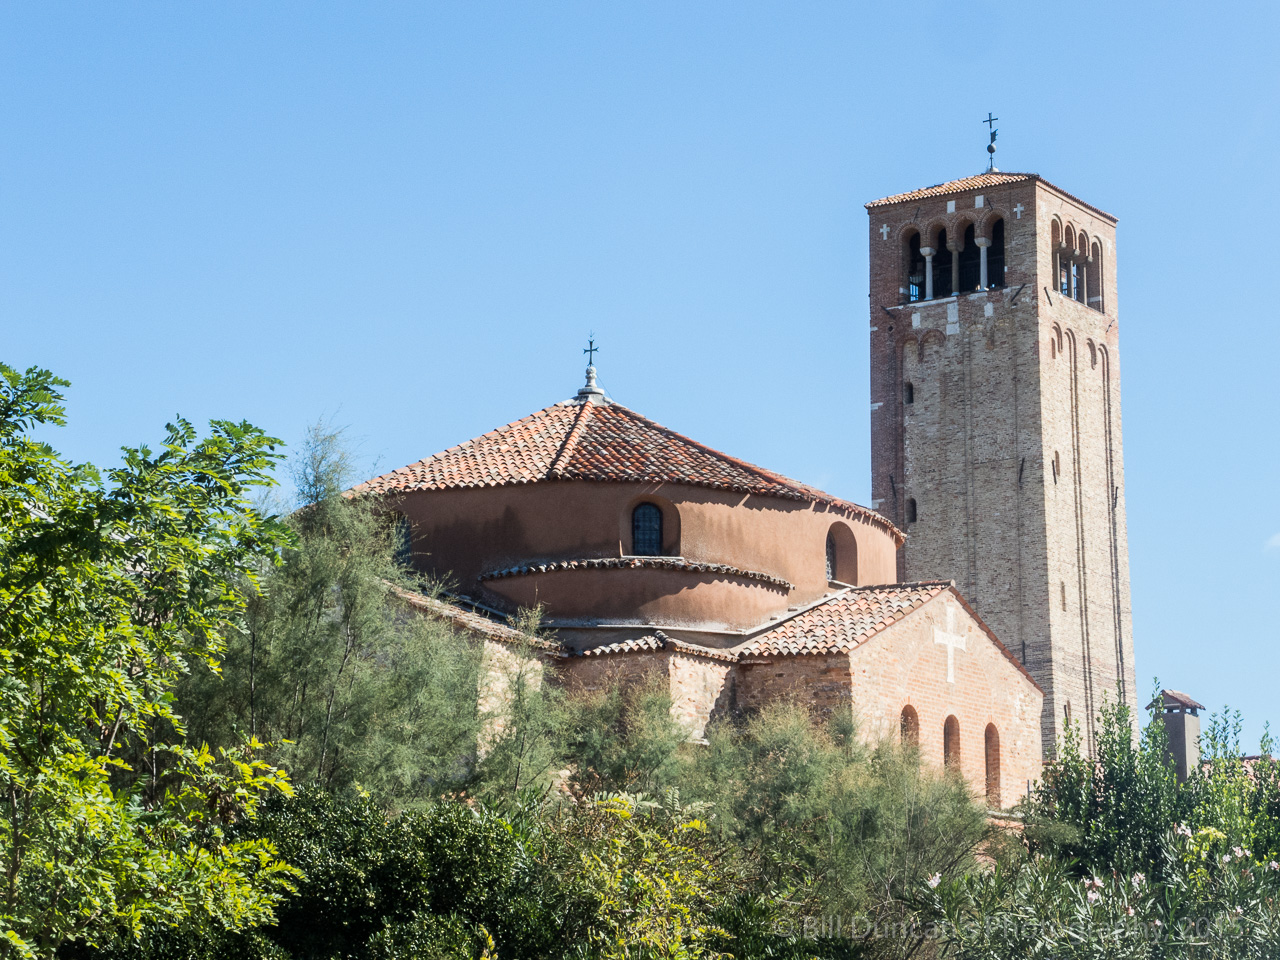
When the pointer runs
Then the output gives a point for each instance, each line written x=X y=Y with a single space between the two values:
x=951 y=744
x=908 y=393
x=912 y=513
x=646 y=530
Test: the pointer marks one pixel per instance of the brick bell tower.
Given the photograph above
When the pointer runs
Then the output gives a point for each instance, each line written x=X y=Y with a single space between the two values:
x=995 y=422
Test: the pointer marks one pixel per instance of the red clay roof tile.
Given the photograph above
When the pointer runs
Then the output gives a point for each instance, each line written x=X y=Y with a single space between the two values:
x=574 y=440
x=977 y=182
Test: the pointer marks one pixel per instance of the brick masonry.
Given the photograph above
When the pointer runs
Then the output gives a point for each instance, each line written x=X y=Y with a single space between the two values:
x=1010 y=445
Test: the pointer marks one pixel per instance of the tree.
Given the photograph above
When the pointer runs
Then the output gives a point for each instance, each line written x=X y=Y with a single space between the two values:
x=108 y=592
x=348 y=686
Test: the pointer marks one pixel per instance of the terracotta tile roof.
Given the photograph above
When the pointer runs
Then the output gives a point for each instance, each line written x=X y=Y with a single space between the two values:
x=1175 y=698
x=577 y=440
x=655 y=642
x=853 y=617
x=456 y=614
x=845 y=621
x=636 y=563
x=975 y=183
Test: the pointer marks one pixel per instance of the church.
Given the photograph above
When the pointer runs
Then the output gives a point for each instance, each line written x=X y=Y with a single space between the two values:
x=976 y=607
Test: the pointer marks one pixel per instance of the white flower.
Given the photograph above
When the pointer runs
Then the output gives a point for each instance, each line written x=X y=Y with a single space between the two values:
x=1130 y=911
x=1157 y=923
x=1093 y=895
x=1226 y=858
x=1138 y=879
x=1273 y=865
x=934 y=880
x=1239 y=910
x=1238 y=852
x=1182 y=830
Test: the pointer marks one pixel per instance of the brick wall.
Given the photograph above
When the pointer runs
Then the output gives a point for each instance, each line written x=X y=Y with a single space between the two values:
x=992 y=402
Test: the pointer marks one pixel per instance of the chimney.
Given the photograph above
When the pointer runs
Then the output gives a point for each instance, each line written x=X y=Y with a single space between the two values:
x=1181 y=716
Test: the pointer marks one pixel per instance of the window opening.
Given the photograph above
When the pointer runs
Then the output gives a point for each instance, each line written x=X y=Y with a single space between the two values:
x=646 y=531
x=970 y=261
x=995 y=256
x=993 y=766
x=951 y=744
x=910 y=723
x=942 y=268
x=915 y=269
x=908 y=393
x=911 y=510
x=831 y=556
x=1064 y=594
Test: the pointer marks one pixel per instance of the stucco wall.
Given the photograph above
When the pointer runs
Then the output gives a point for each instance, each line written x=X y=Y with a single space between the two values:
x=466 y=532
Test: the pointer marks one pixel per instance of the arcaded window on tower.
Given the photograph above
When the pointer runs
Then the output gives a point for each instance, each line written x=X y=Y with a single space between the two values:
x=646 y=530
x=993 y=766
x=910 y=724
x=970 y=261
x=942 y=267
x=915 y=269
x=995 y=256
x=951 y=744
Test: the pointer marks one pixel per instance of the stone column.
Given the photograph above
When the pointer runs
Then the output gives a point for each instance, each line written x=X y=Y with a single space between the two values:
x=983 y=243
x=955 y=267
x=927 y=252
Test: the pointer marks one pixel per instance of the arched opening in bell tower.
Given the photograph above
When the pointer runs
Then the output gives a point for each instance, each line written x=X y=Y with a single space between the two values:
x=942 y=267
x=970 y=261
x=995 y=256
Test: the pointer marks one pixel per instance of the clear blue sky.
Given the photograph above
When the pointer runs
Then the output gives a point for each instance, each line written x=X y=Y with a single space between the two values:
x=407 y=217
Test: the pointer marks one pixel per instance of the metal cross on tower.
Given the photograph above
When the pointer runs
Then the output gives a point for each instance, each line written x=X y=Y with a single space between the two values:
x=991 y=147
x=590 y=350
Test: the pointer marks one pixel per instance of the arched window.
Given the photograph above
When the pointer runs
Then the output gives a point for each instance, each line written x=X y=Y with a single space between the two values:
x=842 y=554
x=910 y=723
x=951 y=744
x=993 y=766
x=1095 y=277
x=915 y=269
x=911 y=510
x=908 y=393
x=942 y=267
x=970 y=261
x=995 y=256
x=646 y=530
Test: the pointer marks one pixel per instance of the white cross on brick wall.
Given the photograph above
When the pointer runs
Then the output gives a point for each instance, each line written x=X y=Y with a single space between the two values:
x=1017 y=211
x=884 y=232
x=951 y=640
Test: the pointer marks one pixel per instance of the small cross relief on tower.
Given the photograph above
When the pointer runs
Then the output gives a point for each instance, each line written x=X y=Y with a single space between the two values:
x=951 y=640
x=884 y=232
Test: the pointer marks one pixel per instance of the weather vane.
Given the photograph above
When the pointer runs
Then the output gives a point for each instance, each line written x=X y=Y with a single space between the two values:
x=590 y=350
x=991 y=147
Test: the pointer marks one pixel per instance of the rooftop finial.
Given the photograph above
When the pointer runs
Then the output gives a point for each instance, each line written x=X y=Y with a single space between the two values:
x=991 y=147
x=591 y=393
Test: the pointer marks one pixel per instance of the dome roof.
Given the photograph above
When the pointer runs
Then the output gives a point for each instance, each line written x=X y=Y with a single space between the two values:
x=603 y=441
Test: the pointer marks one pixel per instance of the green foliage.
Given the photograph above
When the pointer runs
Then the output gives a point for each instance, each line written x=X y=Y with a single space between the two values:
x=1110 y=811
x=108 y=592
x=622 y=738
x=349 y=687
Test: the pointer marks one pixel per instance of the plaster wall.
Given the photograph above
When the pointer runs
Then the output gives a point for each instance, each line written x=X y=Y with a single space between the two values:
x=460 y=534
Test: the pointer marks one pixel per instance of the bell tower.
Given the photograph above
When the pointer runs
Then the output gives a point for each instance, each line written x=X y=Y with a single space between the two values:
x=995 y=422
